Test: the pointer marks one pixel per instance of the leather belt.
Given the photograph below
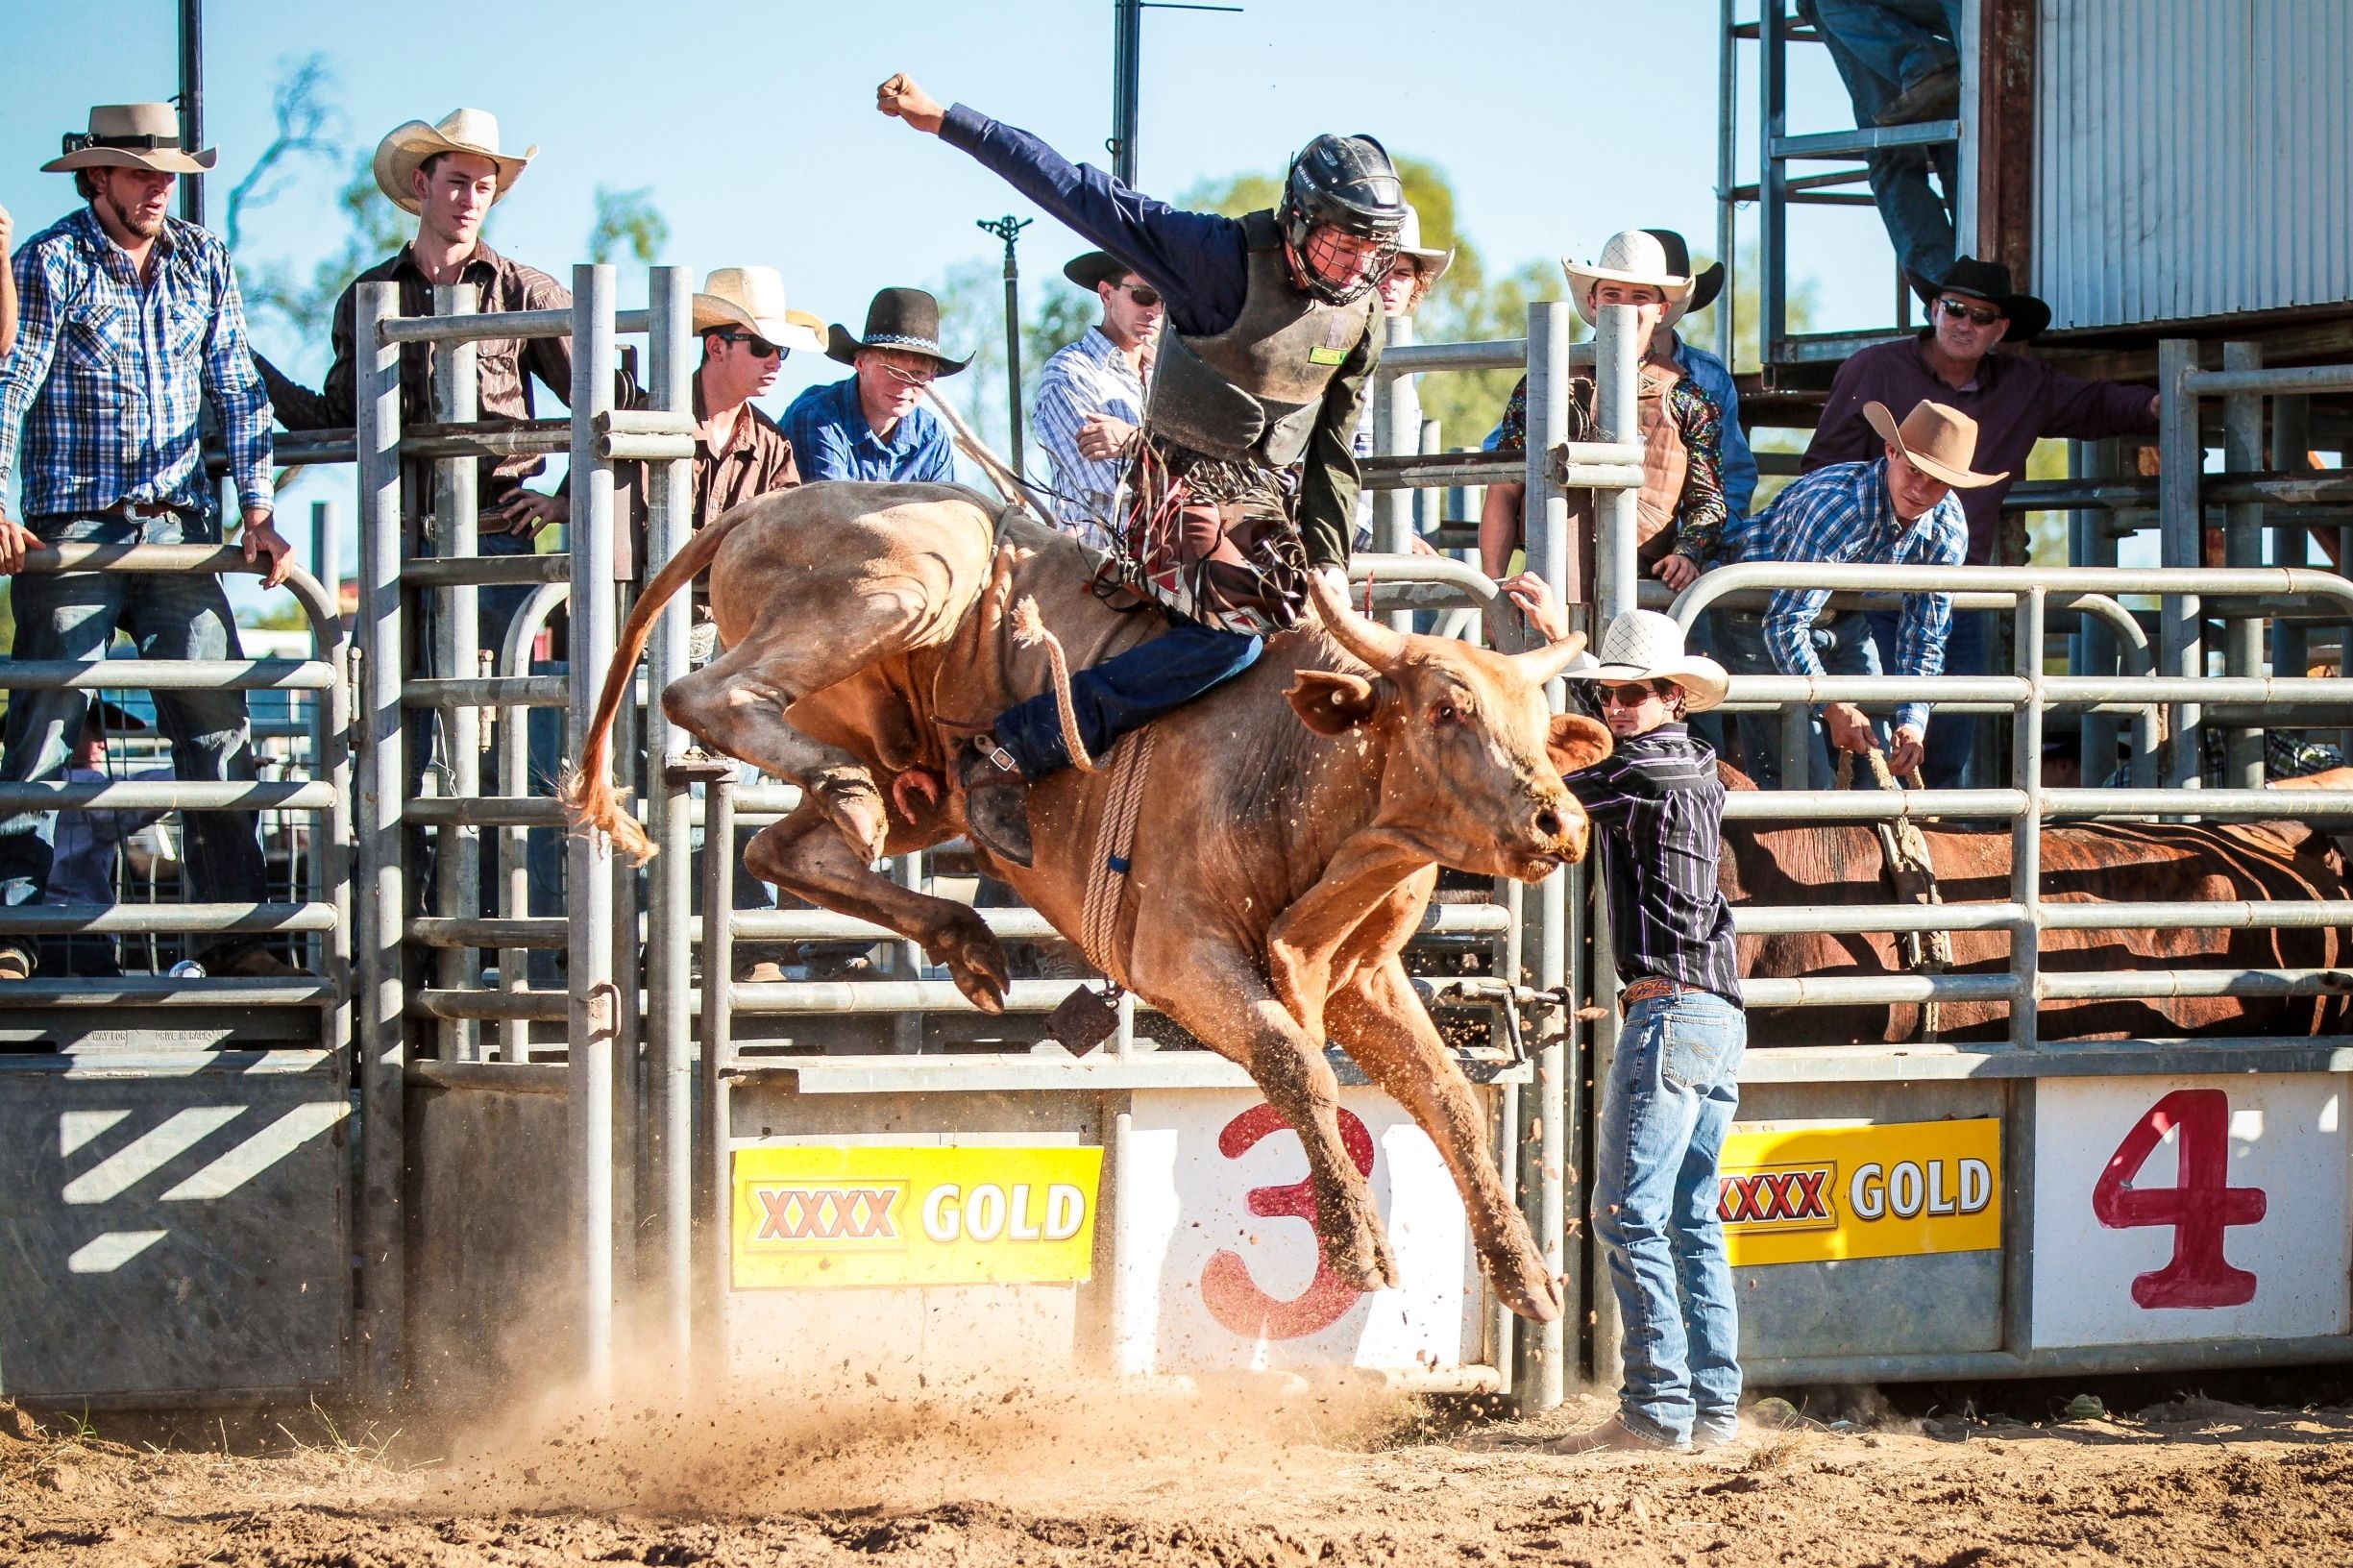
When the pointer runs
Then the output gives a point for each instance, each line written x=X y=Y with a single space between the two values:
x=141 y=509
x=1650 y=989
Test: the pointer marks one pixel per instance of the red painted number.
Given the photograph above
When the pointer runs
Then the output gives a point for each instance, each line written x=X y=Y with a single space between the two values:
x=1232 y=1297
x=2198 y=1207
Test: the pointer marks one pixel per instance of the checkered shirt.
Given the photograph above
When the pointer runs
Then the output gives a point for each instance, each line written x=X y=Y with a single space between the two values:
x=1082 y=379
x=108 y=374
x=1845 y=513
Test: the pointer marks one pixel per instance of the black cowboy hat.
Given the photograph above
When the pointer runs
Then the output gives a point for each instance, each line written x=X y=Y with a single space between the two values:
x=1705 y=286
x=1095 y=268
x=1989 y=282
x=111 y=716
x=900 y=318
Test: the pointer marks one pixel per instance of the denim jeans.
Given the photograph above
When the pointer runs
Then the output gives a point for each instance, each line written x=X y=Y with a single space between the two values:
x=1881 y=47
x=1126 y=692
x=1669 y=1103
x=1843 y=646
x=167 y=615
x=1951 y=741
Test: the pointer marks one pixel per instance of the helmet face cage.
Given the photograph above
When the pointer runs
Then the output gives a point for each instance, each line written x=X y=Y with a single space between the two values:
x=1345 y=184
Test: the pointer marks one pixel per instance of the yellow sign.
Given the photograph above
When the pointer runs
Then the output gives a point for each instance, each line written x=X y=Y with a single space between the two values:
x=831 y=1214
x=1888 y=1189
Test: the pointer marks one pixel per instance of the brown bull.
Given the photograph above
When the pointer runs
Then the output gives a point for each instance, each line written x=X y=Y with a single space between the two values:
x=1293 y=822
x=1831 y=863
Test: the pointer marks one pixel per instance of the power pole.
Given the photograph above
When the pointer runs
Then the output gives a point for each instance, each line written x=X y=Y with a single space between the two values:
x=1127 y=77
x=1009 y=228
x=192 y=104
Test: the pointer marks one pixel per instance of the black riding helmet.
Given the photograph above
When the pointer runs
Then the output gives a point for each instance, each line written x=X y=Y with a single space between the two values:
x=1348 y=184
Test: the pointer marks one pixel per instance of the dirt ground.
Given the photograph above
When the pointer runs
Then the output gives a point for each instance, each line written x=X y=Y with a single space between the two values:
x=1237 y=1481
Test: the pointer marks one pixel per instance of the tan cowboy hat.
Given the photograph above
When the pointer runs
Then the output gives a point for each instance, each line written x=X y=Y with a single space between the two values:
x=131 y=136
x=1644 y=645
x=473 y=131
x=1633 y=256
x=753 y=298
x=1940 y=442
x=1410 y=243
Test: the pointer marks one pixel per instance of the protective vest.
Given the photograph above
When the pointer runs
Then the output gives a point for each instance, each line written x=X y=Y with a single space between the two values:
x=1665 y=461
x=1252 y=392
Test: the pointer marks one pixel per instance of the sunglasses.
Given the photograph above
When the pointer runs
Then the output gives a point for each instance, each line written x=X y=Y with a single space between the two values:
x=1979 y=316
x=761 y=347
x=1625 y=697
x=1141 y=294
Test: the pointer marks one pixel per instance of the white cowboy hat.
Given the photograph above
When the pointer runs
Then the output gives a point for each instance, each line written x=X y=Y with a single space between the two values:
x=1644 y=645
x=753 y=298
x=1410 y=243
x=1631 y=257
x=131 y=136
x=471 y=130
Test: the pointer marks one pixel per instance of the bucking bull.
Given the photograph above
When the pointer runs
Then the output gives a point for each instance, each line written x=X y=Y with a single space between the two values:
x=1293 y=824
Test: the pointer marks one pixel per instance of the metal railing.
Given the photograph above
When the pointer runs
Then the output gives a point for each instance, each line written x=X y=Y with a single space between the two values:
x=325 y=797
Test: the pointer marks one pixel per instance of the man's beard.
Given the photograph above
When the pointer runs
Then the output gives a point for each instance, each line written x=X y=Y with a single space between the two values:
x=136 y=221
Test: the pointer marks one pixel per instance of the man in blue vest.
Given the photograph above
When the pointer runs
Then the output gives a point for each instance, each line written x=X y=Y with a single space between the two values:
x=1246 y=480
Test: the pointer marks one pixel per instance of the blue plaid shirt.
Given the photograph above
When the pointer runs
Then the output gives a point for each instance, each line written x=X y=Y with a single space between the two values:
x=831 y=440
x=1845 y=513
x=109 y=373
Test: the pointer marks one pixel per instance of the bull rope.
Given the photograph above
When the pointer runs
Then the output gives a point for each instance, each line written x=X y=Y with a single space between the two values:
x=1913 y=873
x=1114 y=840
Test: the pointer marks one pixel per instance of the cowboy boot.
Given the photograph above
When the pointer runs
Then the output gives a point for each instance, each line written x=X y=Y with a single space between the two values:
x=995 y=800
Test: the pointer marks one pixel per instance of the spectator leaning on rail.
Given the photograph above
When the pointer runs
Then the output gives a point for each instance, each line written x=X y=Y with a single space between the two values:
x=450 y=175
x=1901 y=65
x=1657 y=812
x=2015 y=400
x=1898 y=509
x=1089 y=405
x=131 y=322
x=1246 y=481
x=1402 y=289
x=1680 y=510
x=873 y=424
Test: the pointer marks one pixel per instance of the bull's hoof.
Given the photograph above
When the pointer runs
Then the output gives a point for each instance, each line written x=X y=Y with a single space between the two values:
x=1358 y=1253
x=973 y=958
x=1516 y=1271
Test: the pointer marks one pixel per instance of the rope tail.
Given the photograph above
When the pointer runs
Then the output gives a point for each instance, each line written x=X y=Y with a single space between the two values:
x=588 y=792
x=1030 y=631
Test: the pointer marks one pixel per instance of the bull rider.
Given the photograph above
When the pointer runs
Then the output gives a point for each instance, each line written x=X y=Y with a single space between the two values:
x=1245 y=480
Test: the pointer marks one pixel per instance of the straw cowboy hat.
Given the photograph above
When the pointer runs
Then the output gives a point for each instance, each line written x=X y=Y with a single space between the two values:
x=1410 y=243
x=753 y=298
x=1940 y=442
x=469 y=131
x=1644 y=645
x=131 y=136
x=900 y=318
x=1631 y=257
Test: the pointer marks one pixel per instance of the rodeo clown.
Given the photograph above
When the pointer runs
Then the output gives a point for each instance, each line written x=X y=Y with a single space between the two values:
x=1657 y=812
x=1245 y=481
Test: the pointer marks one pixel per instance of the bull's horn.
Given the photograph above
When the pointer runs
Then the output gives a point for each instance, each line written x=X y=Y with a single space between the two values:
x=1381 y=647
x=1541 y=664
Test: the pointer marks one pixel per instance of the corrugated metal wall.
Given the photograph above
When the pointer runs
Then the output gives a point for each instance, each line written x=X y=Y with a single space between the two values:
x=2193 y=158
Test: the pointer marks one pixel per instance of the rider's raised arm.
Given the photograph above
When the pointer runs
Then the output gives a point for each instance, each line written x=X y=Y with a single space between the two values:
x=1197 y=260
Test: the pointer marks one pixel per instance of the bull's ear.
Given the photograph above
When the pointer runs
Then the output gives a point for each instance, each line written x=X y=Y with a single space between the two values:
x=1331 y=701
x=1576 y=742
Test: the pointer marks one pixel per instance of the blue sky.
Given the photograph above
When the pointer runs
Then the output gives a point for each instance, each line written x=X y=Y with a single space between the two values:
x=753 y=124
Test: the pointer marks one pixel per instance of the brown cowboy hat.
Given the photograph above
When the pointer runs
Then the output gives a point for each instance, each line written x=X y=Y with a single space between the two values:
x=907 y=319
x=473 y=132
x=131 y=136
x=1940 y=442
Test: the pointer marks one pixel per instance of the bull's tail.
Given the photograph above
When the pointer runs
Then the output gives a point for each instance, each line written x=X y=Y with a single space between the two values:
x=588 y=795
x=1029 y=629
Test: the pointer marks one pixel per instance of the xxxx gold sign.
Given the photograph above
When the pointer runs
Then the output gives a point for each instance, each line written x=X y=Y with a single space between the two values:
x=1893 y=1190
x=812 y=1214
